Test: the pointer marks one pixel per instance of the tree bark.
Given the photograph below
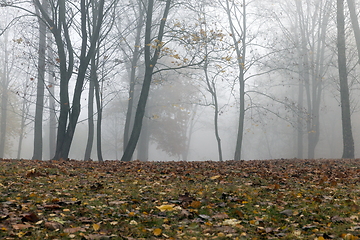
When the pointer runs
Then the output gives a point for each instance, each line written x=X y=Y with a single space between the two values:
x=348 y=141
x=91 y=131
x=99 y=119
x=143 y=144
x=52 y=108
x=38 y=141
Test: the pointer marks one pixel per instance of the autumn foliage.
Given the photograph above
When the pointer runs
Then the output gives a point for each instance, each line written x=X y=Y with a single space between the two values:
x=275 y=199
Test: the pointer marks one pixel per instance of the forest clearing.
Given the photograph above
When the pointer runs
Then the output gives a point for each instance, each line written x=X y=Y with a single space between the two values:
x=273 y=199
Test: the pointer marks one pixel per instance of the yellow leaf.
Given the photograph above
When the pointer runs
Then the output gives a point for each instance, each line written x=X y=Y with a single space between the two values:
x=321 y=238
x=96 y=227
x=157 y=232
x=215 y=177
x=164 y=208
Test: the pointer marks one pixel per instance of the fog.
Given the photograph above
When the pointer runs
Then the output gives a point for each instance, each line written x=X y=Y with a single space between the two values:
x=227 y=80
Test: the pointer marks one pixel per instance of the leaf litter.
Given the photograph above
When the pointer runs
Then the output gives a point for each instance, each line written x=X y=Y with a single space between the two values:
x=274 y=199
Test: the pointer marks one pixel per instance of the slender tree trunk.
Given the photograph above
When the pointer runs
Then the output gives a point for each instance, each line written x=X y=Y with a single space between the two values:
x=52 y=110
x=99 y=119
x=300 y=144
x=239 y=41
x=22 y=127
x=91 y=131
x=4 y=99
x=212 y=89
x=90 y=139
x=348 y=142
x=134 y=63
x=149 y=67
x=38 y=141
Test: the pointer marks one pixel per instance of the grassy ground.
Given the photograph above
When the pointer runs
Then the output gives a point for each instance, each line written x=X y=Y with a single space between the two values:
x=277 y=199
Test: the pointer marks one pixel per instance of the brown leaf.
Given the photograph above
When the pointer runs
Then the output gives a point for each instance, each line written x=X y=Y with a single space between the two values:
x=52 y=206
x=186 y=198
x=221 y=216
x=74 y=230
x=29 y=217
x=21 y=226
x=53 y=225
x=195 y=204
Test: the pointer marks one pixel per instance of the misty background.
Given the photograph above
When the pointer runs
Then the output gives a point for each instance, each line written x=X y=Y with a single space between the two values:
x=228 y=79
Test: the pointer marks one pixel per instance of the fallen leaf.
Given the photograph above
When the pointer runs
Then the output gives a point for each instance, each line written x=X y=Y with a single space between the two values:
x=157 y=232
x=96 y=227
x=53 y=225
x=164 y=208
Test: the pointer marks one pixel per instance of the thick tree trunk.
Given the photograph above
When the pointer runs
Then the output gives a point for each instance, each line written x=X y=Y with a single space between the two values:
x=38 y=141
x=143 y=144
x=348 y=142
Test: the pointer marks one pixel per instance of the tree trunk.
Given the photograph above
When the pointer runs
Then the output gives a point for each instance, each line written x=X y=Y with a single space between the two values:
x=52 y=110
x=241 y=54
x=191 y=125
x=149 y=67
x=348 y=142
x=143 y=144
x=300 y=144
x=99 y=119
x=134 y=63
x=4 y=99
x=38 y=141
x=90 y=140
x=24 y=113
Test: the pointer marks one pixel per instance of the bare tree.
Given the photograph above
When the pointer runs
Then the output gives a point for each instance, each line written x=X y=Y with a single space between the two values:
x=150 y=62
x=38 y=138
x=348 y=141
x=59 y=23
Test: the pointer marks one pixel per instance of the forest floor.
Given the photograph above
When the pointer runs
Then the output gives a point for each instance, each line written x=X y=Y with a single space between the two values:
x=275 y=199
